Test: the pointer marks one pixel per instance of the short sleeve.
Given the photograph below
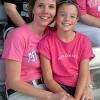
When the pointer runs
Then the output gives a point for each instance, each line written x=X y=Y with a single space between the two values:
x=43 y=47
x=82 y=7
x=87 y=52
x=14 y=46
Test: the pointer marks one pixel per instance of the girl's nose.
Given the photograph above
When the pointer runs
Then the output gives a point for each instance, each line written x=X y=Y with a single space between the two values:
x=67 y=18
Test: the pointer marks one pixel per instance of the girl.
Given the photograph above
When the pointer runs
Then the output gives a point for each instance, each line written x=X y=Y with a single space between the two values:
x=65 y=54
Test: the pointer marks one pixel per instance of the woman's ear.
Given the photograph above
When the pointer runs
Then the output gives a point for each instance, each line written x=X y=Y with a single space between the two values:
x=55 y=18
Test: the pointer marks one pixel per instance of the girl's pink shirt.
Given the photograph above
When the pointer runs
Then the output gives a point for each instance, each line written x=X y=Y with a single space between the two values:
x=65 y=57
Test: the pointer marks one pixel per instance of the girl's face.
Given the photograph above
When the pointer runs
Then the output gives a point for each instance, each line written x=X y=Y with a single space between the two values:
x=44 y=11
x=66 y=17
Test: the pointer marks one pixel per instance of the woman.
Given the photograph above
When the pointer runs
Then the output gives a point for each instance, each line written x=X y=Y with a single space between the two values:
x=21 y=57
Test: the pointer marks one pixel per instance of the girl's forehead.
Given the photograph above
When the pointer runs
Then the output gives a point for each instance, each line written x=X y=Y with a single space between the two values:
x=46 y=1
x=66 y=6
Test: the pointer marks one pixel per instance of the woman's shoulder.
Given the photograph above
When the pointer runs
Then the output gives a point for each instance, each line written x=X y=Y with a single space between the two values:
x=18 y=33
x=20 y=30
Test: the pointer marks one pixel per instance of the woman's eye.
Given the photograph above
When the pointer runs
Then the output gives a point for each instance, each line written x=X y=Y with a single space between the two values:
x=41 y=5
x=51 y=6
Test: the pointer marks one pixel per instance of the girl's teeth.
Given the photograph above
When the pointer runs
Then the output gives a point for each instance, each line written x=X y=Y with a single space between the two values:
x=65 y=24
x=44 y=18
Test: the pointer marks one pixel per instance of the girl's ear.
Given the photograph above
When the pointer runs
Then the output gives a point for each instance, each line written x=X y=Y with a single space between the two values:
x=78 y=19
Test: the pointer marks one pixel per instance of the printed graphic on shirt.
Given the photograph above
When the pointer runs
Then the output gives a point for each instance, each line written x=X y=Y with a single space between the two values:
x=68 y=56
x=93 y=3
x=33 y=56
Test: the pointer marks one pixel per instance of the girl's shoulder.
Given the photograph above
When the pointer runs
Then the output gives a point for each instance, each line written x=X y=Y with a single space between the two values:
x=82 y=37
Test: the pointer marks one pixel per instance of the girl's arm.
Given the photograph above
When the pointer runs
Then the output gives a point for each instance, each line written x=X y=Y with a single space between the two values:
x=88 y=93
x=13 y=70
x=83 y=79
x=51 y=84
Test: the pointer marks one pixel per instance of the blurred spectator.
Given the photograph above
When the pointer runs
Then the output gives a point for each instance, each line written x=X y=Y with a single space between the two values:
x=17 y=11
x=89 y=23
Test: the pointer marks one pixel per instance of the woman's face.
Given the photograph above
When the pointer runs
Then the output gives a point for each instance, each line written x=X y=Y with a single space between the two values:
x=44 y=11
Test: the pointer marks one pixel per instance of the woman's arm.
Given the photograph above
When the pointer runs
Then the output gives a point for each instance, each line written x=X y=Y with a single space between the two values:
x=13 y=70
x=83 y=79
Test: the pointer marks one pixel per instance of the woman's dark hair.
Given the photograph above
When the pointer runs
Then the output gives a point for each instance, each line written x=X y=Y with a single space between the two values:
x=31 y=6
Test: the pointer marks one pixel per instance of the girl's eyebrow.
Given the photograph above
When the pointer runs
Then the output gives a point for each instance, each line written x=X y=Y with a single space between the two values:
x=48 y=3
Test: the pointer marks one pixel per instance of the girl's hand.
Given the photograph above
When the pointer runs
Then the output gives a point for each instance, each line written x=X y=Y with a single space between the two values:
x=88 y=95
x=59 y=96
x=71 y=98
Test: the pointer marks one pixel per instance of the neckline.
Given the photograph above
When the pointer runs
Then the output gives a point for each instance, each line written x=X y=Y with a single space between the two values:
x=76 y=34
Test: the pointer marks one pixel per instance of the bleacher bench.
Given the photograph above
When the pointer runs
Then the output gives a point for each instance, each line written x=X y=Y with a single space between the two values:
x=95 y=63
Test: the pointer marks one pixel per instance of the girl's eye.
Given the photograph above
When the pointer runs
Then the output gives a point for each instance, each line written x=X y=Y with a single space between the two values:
x=73 y=16
x=61 y=14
